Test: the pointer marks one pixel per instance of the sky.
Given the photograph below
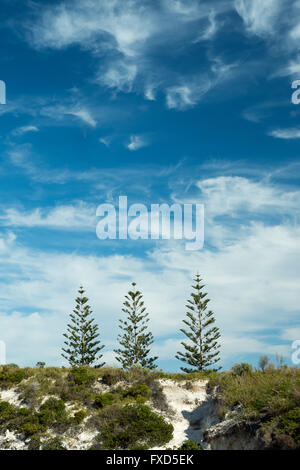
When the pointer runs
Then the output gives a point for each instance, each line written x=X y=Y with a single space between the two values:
x=162 y=101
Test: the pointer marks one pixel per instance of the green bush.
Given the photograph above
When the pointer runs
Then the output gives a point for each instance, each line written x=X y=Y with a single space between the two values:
x=81 y=376
x=11 y=375
x=40 y=364
x=34 y=443
x=104 y=399
x=30 y=426
x=53 y=411
x=240 y=369
x=190 y=445
x=111 y=376
x=290 y=424
x=136 y=427
x=7 y=411
x=53 y=444
x=79 y=416
x=140 y=392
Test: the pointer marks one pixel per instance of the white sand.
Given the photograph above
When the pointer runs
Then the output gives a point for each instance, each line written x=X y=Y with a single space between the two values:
x=11 y=396
x=192 y=411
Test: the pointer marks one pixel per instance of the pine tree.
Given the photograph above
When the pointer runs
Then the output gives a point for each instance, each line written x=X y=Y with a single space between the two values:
x=82 y=345
x=203 y=348
x=135 y=339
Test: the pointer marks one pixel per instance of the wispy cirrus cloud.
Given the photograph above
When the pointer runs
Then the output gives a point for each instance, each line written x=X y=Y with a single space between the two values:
x=70 y=217
x=259 y=17
x=24 y=129
x=137 y=142
x=287 y=134
x=123 y=35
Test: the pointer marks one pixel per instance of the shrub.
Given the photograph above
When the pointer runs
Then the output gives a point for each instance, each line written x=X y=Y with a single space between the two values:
x=81 y=376
x=290 y=424
x=240 y=369
x=34 y=443
x=40 y=365
x=79 y=416
x=11 y=375
x=7 y=411
x=112 y=376
x=53 y=444
x=136 y=427
x=30 y=426
x=140 y=392
x=52 y=411
x=190 y=445
x=104 y=399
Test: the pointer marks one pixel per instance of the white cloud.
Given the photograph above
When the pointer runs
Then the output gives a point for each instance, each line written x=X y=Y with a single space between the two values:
x=191 y=90
x=291 y=334
x=24 y=129
x=67 y=217
x=252 y=279
x=137 y=142
x=84 y=115
x=120 y=35
x=292 y=133
x=186 y=96
x=180 y=97
x=233 y=195
x=210 y=31
x=119 y=75
x=106 y=140
x=259 y=16
x=60 y=111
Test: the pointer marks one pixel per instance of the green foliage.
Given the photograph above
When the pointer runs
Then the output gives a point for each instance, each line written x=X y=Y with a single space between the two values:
x=11 y=374
x=7 y=411
x=82 y=344
x=79 y=416
x=202 y=351
x=240 y=369
x=104 y=399
x=111 y=376
x=40 y=364
x=53 y=411
x=29 y=422
x=53 y=444
x=139 y=392
x=190 y=445
x=135 y=341
x=135 y=427
x=290 y=424
x=34 y=443
x=80 y=376
x=272 y=392
x=30 y=425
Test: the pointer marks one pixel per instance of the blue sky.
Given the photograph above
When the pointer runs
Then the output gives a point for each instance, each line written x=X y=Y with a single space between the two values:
x=163 y=101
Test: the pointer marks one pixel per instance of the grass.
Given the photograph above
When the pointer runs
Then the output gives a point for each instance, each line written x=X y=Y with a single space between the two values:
x=272 y=397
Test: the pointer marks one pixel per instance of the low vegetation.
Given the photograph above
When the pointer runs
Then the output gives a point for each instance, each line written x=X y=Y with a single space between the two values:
x=270 y=396
x=55 y=402
x=120 y=409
